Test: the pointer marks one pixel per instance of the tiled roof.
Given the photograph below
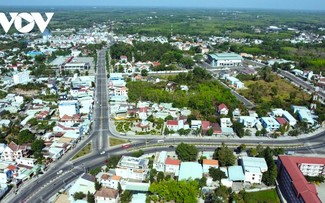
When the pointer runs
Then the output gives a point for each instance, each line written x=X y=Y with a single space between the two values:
x=210 y=162
x=172 y=122
x=307 y=191
x=170 y=161
x=107 y=192
x=205 y=125
x=222 y=106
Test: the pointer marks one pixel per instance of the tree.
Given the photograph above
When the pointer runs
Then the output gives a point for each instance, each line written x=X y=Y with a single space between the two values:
x=239 y=128
x=224 y=155
x=95 y=171
x=210 y=132
x=270 y=175
x=138 y=153
x=187 y=62
x=186 y=152
x=252 y=152
x=98 y=185
x=248 y=132
x=90 y=198
x=160 y=176
x=25 y=136
x=113 y=161
x=78 y=195
x=175 y=191
x=144 y=72
x=216 y=174
x=274 y=90
x=292 y=95
x=242 y=147
x=169 y=117
x=38 y=145
x=126 y=196
x=202 y=182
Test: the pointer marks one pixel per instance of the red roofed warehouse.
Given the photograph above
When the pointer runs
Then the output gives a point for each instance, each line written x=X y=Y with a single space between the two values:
x=292 y=181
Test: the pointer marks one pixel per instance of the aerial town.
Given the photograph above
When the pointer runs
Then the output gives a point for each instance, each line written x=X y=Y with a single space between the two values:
x=99 y=113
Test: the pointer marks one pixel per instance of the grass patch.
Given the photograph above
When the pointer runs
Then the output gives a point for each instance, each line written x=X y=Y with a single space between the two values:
x=114 y=141
x=83 y=152
x=267 y=196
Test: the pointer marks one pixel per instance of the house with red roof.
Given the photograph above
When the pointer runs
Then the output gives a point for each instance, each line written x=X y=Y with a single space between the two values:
x=205 y=126
x=216 y=128
x=209 y=163
x=172 y=166
x=14 y=151
x=291 y=177
x=223 y=109
x=172 y=125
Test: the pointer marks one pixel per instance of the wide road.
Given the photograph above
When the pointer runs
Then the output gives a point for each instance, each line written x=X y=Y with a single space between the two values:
x=50 y=183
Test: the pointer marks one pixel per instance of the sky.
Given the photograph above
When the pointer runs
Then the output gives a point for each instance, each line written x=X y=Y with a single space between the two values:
x=251 y=4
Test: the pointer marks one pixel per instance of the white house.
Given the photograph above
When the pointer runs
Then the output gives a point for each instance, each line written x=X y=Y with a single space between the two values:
x=195 y=124
x=253 y=169
x=68 y=107
x=133 y=168
x=172 y=166
x=85 y=183
x=21 y=77
x=107 y=195
x=285 y=114
x=225 y=122
x=13 y=152
x=209 y=163
x=159 y=161
x=223 y=109
x=108 y=180
x=270 y=124
x=26 y=161
x=248 y=121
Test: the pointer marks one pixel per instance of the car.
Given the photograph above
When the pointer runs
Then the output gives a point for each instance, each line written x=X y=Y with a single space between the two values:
x=59 y=172
x=103 y=152
x=171 y=146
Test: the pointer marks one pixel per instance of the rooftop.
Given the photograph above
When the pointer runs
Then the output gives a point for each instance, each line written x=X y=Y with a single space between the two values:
x=190 y=170
x=307 y=191
x=226 y=56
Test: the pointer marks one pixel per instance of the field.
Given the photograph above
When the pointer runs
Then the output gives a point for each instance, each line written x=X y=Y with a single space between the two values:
x=284 y=88
x=83 y=152
x=266 y=196
x=114 y=141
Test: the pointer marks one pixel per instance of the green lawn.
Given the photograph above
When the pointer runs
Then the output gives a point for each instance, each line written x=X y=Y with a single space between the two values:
x=266 y=196
x=83 y=152
x=114 y=141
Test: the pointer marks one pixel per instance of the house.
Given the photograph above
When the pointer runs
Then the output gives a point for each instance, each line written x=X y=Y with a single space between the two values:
x=236 y=114
x=190 y=170
x=270 y=124
x=254 y=168
x=291 y=177
x=205 y=126
x=133 y=168
x=248 y=121
x=304 y=114
x=216 y=128
x=107 y=195
x=172 y=125
x=68 y=107
x=284 y=114
x=235 y=173
x=85 y=183
x=123 y=59
x=159 y=161
x=108 y=180
x=225 y=122
x=209 y=163
x=223 y=109
x=21 y=77
x=171 y=86
x=14 y=151
x=172 y=166
x=196 y=124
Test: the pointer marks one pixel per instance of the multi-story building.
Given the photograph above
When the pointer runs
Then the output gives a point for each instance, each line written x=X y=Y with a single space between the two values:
x=133 y=168
x=291 y=177
x=21 y=77
x=159 y=162
x=107 y=195
x=14 y=151
x=253 y=169
x=108 y=180
x=225 y=59
x=270 y=124
x=68 y=107
x=172 y=166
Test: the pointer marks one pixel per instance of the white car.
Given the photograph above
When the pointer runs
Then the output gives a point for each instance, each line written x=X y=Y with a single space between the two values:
x=59 y=172
x=103 y=152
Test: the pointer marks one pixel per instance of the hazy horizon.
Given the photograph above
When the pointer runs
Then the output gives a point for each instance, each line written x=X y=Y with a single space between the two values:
x=316 y=5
